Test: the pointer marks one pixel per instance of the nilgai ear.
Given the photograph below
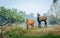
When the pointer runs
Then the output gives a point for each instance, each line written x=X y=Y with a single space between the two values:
x=38 y=14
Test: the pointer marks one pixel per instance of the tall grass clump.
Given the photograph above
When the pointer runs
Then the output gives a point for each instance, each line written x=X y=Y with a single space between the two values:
x=14 y=32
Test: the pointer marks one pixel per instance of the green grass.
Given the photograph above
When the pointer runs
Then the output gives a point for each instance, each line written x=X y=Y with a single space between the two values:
x=20 y=33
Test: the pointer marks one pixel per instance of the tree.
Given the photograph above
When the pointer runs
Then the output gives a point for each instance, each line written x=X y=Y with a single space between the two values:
x=54 y=1
x=12 y=14
x=52 y=19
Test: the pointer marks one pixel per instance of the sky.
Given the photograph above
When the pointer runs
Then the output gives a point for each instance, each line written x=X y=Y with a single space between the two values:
x=29 y=6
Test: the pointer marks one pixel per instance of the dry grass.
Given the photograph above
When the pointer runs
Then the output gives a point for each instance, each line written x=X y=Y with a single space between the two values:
x=43 y=31
x=37 y=31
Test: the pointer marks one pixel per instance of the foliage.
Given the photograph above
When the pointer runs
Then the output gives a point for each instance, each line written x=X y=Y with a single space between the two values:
x=54 y=1
x=53 y=13
x=52 y=19
x=12 y=13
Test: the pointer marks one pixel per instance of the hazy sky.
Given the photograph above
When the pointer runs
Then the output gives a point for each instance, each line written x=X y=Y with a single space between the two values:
x=29 y=6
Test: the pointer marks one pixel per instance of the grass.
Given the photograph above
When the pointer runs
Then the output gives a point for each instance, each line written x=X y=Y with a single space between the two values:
x=13 y=32
x=20 y=35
